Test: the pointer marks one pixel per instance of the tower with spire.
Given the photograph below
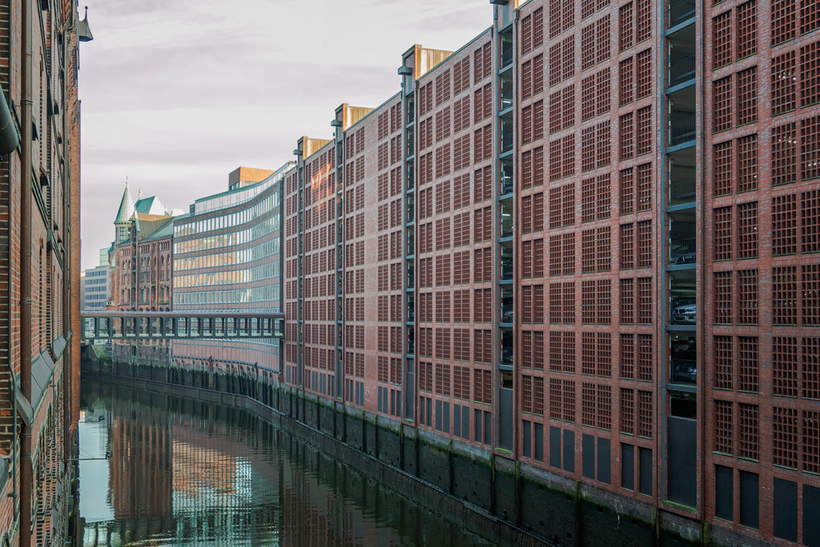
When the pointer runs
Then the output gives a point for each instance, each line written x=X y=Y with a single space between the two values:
x=122 y=224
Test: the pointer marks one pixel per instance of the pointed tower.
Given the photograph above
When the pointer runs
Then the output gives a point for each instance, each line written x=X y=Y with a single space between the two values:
x=123 y=220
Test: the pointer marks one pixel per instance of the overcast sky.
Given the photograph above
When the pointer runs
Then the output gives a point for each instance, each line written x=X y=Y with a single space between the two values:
x=176 y=95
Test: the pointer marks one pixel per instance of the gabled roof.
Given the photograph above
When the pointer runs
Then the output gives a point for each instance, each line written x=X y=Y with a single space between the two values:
x=150 y=206
x=126 y=210
x=148 y=225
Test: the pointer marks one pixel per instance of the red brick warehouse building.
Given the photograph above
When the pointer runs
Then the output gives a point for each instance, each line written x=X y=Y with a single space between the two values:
x=588 y=244
x=40 y=265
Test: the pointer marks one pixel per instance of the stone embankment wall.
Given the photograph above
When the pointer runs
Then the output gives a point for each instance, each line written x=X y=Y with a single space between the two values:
x=512 y=503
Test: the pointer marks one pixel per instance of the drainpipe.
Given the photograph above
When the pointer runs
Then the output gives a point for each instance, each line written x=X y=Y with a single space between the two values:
x=25 y=270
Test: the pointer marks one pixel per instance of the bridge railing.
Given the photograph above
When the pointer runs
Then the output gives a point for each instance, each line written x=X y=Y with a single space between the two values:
x=118 y=325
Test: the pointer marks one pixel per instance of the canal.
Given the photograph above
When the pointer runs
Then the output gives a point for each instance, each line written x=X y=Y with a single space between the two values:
x=183 y=472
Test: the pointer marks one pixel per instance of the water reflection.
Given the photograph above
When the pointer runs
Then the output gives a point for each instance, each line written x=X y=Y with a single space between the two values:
x=185 y=473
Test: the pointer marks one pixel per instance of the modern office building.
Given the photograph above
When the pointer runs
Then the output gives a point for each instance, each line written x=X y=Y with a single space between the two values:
x=226 y=257
x=586 y=243
x=95 y=288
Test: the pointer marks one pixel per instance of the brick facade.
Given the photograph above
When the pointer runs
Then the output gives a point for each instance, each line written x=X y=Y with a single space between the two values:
x=54 y=245
x=598 y=258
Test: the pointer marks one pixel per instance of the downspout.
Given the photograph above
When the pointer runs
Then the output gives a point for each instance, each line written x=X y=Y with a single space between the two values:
x=25 y=270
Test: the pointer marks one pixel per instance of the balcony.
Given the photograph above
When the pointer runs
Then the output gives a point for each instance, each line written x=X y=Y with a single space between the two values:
x=683 y=299
x=684 y=371
x=682 y=251
x=681 y=11
x=682 y=177
x=506 y=227
x=507 y=131
x=506 y=178
x=507 y=348
x=506 y=48
x=682 y=71
x=683 y=360
x=682 y=130
x=507 y=306
x=682 y=238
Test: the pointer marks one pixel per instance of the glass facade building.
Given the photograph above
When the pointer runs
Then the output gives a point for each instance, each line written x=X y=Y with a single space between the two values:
x=227 y=257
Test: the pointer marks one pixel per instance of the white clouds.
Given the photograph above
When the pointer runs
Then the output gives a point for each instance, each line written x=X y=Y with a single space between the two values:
x=178 y=94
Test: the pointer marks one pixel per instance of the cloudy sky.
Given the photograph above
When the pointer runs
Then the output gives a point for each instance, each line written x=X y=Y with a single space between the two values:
x=176 y=95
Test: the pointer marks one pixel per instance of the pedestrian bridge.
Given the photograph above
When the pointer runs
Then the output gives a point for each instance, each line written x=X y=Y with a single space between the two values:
x=182 y=325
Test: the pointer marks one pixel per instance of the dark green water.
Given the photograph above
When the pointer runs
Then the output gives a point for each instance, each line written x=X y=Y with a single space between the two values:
x=186 y=473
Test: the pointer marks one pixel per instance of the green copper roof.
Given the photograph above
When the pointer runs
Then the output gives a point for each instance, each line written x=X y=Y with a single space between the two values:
x=150 y=206
x=126 y=210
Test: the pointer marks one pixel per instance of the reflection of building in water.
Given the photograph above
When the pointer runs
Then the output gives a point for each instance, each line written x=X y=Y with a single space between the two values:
x=204 y=474
x=141 y=471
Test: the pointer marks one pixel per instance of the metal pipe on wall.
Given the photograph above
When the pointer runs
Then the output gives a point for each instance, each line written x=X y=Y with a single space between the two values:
x=25 y=268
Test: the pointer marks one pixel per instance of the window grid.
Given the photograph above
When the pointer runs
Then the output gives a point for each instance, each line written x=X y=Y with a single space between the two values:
x=746 y=29
x=627 y=247
x=626 y=26
x=747 y=163
x=784 y=437
x=604 y=407
x=645 y=361
x=628 y=411
x=747 y=289
x=810 y=290
x=723 y=362
x=643 y=72
x=627 y=82
x=810 y=148
x=604 y=249
x=811 y=441
x=588 y=404
x=784 y=366
x=645 y=244
x=604 y=350
x=722 y=106
x=784 y=154
x=747 y=230
x=810 y=221
x=783 y=20
x=748 y=431
x=643 y=139
x=627 y=137
x=723 y=297
x=722 y=39
x=811 y=368
x=723 y=233
x=604 y=297
x=603 y=39
x=748 y=366
x=784 y=87
x=784 y=297
x=603 y=92
x=627 y=191
x=747 y=93
x=628 y=356
x=645 y=414
x=723 y=427
x=568 y=100
x=588 y=353
x=644 y=187
x=810 y=74
x=569 y=401
x=627 y=301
